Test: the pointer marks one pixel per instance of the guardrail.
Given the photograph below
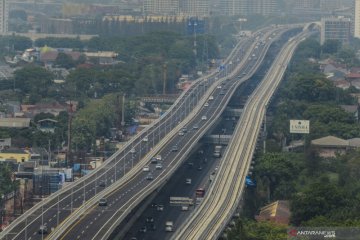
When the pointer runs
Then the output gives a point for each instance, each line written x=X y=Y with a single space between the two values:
x=68 y=222
x=214 y=231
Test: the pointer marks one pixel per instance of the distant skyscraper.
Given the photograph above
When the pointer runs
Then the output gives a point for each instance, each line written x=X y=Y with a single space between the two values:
x=194 y=8
x=335 y=28
x=248 y=7
x=357 y=19
x=4 y=15
x=161 y=7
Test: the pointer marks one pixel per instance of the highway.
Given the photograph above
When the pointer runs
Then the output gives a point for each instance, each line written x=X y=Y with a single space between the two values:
x=223 y=197
x=123 y=199
x=125 y=182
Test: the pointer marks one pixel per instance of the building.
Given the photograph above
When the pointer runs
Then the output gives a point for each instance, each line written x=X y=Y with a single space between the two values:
x=330 y=146
x=102 y=58
x=56 y=26
x=17 y=155
x=330 y=5
x=335 y=28
x=4 y=16
x=357 y=19
x=161 y=7
x=15 y=122
x=246 y=8
x=277 y=212
x=5 y=143
x=198 y=8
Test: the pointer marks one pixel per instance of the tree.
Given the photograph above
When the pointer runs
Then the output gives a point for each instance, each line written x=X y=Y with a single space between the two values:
x=277 y=169
x=64 y=60
x=6 y=183
x=33 y=80
x=331 y=46
x=319 y=199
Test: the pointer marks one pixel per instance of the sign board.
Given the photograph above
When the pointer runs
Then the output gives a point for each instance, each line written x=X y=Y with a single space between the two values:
x=299 y=126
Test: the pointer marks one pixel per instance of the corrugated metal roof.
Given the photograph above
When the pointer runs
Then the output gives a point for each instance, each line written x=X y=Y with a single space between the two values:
x=330 y=141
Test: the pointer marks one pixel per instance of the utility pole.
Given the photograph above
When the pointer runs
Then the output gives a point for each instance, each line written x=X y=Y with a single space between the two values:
x=164 y=78
x=69 y=157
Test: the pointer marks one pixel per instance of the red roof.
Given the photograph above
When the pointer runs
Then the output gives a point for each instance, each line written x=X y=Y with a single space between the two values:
x=353 y=75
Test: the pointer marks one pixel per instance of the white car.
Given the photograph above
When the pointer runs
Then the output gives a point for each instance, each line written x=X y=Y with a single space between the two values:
x=211 y=98
x=158 y=157
x=181 y=133
x=159 y=166
x=206 y=104
x=203 y=118
x=133 y=151
x=219 y=86
x=146 y=169
x=145 y=139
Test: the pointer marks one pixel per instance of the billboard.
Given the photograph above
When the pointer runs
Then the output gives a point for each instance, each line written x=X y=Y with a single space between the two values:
x=299 y=126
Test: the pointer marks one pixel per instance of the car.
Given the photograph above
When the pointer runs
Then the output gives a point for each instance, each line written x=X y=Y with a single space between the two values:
x=143 y=229
x=199 y=168
x=175 y=148
x=145 y=139
x=184 y=208
x=159 y=166
x=153 y=160
x=188 y=181
x=222 y=93
x=219 y=87
x=146 y=169
x=103 y=202
x=149 y=219
x=102 y=184
x=204 y=118
x=211 y=98
x=206 y=104
x=181 y=133
x=190 y=164
x=158 y=157
x=160 y=208
x=43 y=229
x=184 y=130
x=196 y=126
x=133 y=151
x=149 y=177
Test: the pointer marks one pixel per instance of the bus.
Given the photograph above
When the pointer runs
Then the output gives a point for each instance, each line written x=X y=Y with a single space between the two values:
x=200 y=193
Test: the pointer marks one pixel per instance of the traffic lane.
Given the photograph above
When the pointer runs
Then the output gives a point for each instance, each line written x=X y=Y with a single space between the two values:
x=139 y=183
x=175 y=142
x=176 y=187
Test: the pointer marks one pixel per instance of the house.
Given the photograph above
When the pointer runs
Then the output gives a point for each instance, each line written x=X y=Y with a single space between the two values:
x=54 y=108
x=102 y=57
x=277 y=212
x=17 y=155
x=5 y=143
x=330 y=146
x=352 y=109
x=354 y=142
x=47 y=125
x=15 y=122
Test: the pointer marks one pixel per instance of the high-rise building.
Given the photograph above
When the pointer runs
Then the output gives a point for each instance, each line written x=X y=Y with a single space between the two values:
x=195 y=8
x=248 y=7
x=4 y=16
x=357 y=19
x=335 y=28
x=161 y=7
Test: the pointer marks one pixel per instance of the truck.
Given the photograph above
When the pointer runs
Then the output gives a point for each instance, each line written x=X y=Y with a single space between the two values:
x=169 y=226
x=217 y=151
